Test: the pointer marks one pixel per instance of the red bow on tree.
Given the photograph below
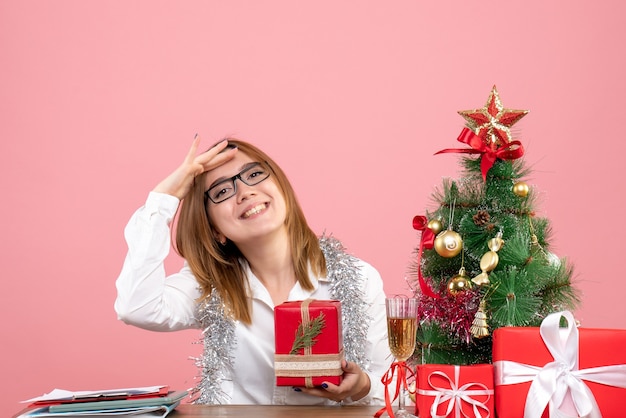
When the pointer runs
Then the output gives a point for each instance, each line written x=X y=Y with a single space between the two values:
x=509 y=151
x=427 y=241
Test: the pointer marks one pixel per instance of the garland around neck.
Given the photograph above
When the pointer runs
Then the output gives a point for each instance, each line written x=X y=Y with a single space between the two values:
x=218 y=329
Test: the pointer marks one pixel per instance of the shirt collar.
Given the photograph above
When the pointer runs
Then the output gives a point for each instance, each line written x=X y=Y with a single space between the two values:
x=259 y=292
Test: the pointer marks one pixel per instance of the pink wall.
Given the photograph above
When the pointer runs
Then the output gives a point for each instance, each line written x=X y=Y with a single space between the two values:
x=99 y=100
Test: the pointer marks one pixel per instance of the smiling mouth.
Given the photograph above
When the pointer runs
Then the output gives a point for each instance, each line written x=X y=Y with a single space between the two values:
x=254 y=210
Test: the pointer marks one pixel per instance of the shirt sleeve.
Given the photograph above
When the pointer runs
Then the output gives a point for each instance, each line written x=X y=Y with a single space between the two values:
x=377 y=346
x=146 y=296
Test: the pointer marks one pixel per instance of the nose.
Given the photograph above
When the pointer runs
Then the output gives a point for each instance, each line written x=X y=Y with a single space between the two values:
x=243 y=191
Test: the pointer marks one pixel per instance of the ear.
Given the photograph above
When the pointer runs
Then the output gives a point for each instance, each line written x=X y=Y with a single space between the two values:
x=219 y=237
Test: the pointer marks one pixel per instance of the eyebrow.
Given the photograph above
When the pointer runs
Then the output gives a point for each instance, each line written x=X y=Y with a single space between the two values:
x=241 y=169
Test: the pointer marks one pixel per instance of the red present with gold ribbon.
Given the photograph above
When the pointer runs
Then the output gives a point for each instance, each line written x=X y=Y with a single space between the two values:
x=557 y=371
x=309 y=343
x=454 y=391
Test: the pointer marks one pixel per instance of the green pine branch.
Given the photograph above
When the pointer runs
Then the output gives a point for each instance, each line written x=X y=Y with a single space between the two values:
x=306 y=335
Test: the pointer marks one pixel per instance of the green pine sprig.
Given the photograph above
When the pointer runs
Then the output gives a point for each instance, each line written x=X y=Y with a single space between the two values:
x=305 y=335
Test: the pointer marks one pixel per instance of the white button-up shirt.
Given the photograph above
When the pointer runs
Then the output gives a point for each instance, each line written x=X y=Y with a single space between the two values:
x=150 y=299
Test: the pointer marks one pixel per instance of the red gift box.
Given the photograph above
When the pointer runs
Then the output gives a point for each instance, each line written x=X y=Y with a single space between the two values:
x=454 y=391
x=309 y=343
x=582 y=370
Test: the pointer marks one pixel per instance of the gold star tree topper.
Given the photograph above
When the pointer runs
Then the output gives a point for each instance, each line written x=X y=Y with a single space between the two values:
x=493 y=122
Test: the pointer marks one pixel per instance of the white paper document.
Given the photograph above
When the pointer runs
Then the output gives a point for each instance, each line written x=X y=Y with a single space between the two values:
x=61 y=394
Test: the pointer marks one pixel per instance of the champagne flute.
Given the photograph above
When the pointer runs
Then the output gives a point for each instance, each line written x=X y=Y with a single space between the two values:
x=401 y=331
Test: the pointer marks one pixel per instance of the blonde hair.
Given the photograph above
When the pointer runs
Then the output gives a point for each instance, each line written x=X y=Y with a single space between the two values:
x=219 y=267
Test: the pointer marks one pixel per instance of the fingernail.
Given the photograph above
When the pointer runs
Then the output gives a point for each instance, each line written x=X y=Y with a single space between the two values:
x=324 y=385
x=297 y=389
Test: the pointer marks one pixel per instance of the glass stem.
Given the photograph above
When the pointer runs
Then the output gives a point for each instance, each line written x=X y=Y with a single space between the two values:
x=401 y=398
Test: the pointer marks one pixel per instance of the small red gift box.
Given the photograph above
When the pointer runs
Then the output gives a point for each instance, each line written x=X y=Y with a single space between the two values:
x=454 y=391
x=582 y=370
x=309 y=343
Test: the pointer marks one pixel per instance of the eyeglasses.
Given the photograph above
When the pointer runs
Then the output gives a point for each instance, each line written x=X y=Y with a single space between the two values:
x=225 y=189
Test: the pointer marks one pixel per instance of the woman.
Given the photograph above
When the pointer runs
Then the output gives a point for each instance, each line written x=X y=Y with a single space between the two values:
x=247 y=248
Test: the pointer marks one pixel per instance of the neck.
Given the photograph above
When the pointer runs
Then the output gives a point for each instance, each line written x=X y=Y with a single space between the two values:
x=270 y=261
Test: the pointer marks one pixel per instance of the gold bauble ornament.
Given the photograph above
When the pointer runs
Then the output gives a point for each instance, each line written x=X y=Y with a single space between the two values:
x=553 y=259
x=448 y=243
x=520 y=189
x=435 y=226
x=459 y=283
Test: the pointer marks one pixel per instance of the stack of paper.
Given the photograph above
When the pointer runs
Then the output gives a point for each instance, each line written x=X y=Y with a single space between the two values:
x=154 y=401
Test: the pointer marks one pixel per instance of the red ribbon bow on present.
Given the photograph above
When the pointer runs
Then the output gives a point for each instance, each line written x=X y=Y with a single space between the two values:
x=456 y=394
x=427 y=241
x=509 y=151
x=400 y=368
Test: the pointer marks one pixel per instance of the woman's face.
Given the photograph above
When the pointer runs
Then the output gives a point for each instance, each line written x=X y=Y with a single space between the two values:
x=253 y=212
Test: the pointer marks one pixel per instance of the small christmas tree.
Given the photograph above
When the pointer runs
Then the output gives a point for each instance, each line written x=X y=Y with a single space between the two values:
x=484 y=257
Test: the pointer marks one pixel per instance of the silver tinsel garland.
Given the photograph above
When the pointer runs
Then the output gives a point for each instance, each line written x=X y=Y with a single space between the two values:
x=346 y=285
x=216 y=363
x=218 y=335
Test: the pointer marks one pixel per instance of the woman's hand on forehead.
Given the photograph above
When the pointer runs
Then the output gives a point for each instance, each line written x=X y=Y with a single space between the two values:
x=179 y=182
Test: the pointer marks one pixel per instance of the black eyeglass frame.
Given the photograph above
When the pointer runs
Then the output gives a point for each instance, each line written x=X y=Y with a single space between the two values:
x=232 y=180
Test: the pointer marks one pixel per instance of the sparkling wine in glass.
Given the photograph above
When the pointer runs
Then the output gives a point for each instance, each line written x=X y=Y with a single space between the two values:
x=401 y=331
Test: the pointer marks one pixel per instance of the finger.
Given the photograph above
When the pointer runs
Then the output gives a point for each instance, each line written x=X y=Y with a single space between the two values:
x=217 y=153
x=322 y=392
x=211 y=152
x=219 y=159
x=334 y=392
x=194 y=148
x=350 y=367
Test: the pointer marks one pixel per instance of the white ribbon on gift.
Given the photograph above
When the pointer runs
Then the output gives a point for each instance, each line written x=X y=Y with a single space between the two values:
x=456 y=395
x=560 y=380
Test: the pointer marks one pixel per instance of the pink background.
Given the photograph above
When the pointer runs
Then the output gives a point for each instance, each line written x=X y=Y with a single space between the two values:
x=100 y=100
